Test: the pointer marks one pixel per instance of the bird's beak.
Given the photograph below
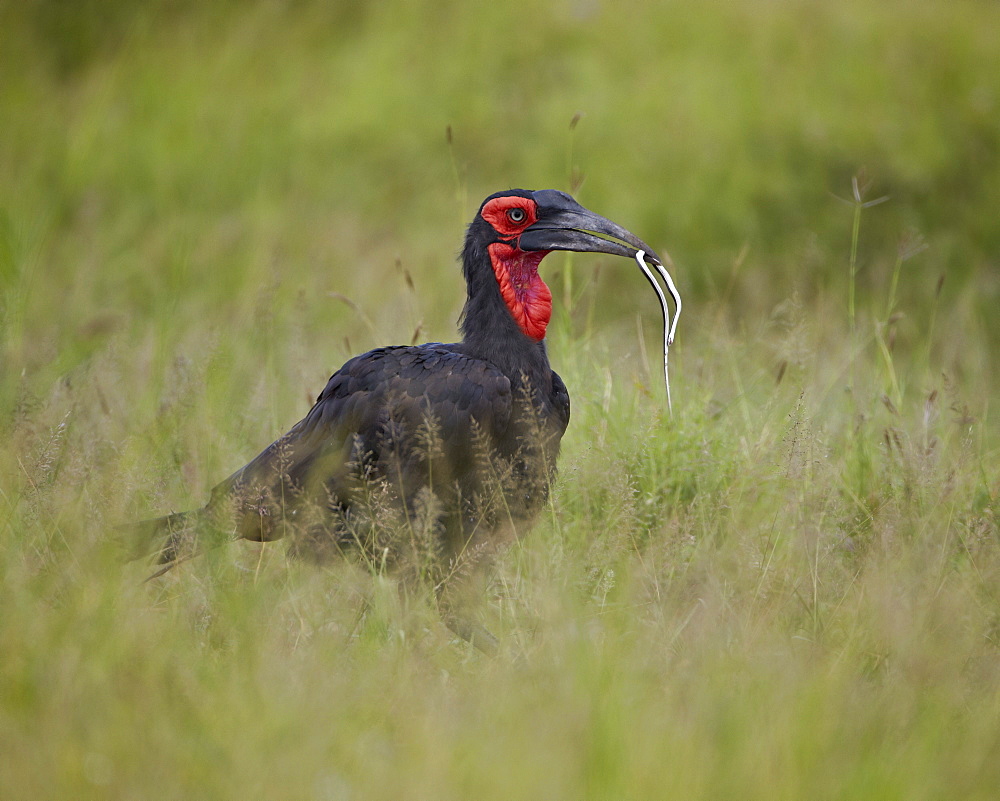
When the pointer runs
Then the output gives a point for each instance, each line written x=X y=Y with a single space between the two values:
x=565 y=225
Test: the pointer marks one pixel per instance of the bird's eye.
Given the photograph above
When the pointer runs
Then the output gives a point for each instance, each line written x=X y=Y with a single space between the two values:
x=516 y=215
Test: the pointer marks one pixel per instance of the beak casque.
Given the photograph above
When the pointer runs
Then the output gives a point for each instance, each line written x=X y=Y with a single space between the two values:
x=563 y=224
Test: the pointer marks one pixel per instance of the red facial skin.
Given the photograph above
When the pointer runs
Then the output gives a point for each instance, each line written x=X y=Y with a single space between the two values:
x=525 y=293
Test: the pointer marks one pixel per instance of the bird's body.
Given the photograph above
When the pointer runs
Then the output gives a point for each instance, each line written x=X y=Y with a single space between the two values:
x=404 y=429
x=437 y=450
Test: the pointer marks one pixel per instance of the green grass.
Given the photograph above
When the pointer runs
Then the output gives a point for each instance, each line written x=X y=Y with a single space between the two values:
x=788 y=590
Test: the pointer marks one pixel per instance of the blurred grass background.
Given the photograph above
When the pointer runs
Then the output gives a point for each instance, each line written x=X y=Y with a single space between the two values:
x=789 y=590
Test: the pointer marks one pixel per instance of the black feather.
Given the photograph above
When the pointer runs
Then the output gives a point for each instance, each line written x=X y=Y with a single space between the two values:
x=457 y=440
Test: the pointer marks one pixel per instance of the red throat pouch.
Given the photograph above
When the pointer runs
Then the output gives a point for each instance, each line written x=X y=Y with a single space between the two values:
x=524 y=292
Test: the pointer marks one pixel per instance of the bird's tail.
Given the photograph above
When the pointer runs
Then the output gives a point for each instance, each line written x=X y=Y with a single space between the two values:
x=169 y=540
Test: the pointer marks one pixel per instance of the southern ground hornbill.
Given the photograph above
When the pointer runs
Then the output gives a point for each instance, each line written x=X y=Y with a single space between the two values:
x=431 y=456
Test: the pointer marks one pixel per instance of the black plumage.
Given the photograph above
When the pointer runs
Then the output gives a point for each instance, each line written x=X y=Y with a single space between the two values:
x=427 y=455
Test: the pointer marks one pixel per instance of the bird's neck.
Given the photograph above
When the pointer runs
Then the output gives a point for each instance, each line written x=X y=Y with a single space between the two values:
x=507 y=310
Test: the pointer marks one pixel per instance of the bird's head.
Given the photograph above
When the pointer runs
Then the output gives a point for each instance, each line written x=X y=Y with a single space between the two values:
x=516 y=229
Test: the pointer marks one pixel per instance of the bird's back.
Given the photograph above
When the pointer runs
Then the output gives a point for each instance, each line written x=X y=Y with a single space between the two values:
x=425 y=438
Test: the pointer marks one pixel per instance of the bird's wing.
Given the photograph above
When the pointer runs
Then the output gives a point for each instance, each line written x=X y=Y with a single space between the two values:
x=397 y=398
x=560 y=401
